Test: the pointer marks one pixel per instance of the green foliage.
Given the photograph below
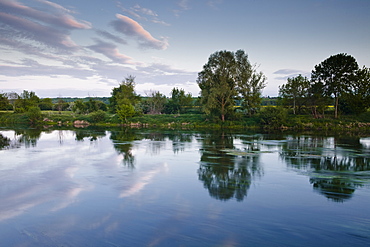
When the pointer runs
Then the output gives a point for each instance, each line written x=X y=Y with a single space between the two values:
x=46 y=104
x=155 y=103
x=4 y=102
x=337 y=75
x=273 y=117
x=125 y=91
x=34 y=115
x=179 y=102
x=226 y=77
x=79 y=107
x=97 y=116
x=26 y=101
x=125 y=110
x=357 y=100
x=295 y=93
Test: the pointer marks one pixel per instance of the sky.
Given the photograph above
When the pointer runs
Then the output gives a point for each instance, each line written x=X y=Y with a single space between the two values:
x=85 y=48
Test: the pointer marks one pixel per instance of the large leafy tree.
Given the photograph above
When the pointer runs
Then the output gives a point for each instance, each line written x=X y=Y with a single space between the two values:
x=337 y=74
x=226 y=77
x=295 y=92
x=358 y=99
x=250 y=83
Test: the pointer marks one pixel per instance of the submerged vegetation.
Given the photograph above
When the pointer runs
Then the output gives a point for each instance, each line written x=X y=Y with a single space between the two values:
x=337 y=97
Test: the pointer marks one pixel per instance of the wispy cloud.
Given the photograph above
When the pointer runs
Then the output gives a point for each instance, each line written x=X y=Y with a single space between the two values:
x=184 y=4
x=284 y=74
x=28 y=25
x=129 y=27
x=112 y=37
x=144 y=11
x=111 y=51
x=141 y=13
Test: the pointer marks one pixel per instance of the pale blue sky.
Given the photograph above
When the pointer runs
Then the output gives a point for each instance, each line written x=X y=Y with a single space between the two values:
x=86 y=47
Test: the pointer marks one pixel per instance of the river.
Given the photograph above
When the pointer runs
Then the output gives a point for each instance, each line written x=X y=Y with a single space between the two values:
x=139 y=187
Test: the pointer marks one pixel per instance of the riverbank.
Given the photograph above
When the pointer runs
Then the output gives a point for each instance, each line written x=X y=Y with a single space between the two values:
x=192 y=121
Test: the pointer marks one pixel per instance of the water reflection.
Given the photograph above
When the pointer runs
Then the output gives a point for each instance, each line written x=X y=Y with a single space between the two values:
x=336 y=165
x=225 y=170
x=4 y=142
x=91 y=134
x=123 y=143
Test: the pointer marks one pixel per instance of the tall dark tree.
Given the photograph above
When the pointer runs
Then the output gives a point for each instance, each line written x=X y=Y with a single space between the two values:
x=337 y=74
x=295 y=92
x=358 y=99
x=226 y=77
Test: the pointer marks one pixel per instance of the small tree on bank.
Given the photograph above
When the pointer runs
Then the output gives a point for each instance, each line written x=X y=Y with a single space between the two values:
x=295 y=92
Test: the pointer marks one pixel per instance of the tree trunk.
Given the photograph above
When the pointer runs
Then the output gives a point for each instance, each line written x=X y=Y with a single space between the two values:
x=336 y=107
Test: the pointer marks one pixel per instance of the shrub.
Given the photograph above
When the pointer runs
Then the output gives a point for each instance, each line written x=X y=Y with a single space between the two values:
x=98 y=116
x=34 y=115
x=273 y=117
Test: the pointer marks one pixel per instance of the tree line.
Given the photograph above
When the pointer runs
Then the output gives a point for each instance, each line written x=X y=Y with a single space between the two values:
x=230 y=88
x=336 y=81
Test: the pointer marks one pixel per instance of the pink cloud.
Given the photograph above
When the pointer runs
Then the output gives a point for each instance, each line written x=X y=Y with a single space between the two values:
x=111 y=51
x=130 y=27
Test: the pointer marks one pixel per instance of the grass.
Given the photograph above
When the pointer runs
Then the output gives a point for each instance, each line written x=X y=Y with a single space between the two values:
x=294 y=122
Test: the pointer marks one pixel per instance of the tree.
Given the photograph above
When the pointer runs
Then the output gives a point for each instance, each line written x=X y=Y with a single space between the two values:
x=358 y=99
x=295 y=91
x=34 y=114
x=4 y=102
x=46 y=104
x=155 y=102
x=26 y=100
x=178 y=101
x=337 y=73
x=126 y=90
x=125 y=110
x=12 y=98
x=250 y=83
x=317 y=99
x=226 y=77
x=79 y=107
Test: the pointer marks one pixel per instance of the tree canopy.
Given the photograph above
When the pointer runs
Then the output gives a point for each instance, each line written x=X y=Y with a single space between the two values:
x=226 y=77
x=295 y=92
x=337 y=75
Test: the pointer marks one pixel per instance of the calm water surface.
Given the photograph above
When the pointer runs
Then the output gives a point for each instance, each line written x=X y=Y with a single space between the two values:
x=176 y=188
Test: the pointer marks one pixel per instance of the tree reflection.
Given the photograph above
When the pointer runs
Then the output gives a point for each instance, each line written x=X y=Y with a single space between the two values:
x=4 y=142
x=91 y=134
x=179 y=140
x=335 y=165
x=226 y=175
x=122 y=142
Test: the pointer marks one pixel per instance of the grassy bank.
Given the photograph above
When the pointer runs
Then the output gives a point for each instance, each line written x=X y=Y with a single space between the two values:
x=192 y=121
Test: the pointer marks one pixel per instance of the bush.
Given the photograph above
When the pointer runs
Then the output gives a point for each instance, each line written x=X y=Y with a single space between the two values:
x=273 y=117
x=34 y=115
x=98 y=116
